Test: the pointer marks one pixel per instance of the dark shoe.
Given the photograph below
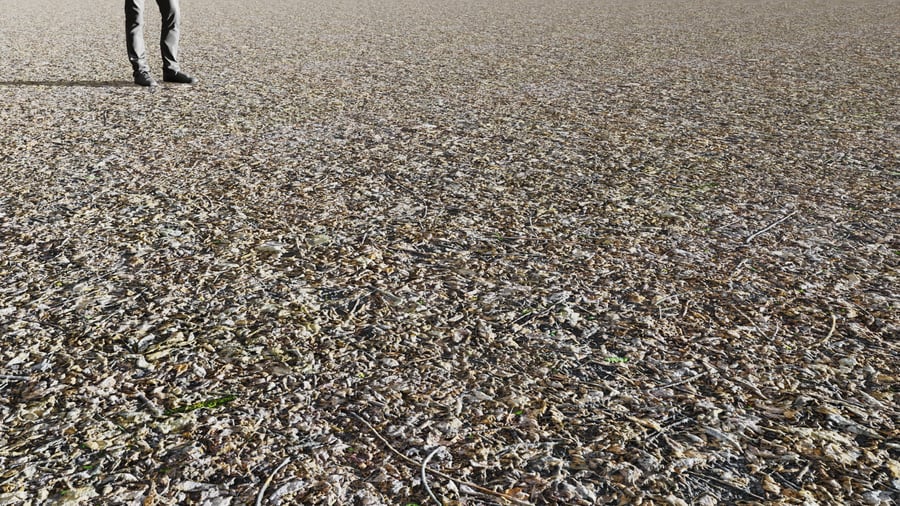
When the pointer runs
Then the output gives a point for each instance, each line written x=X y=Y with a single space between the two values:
x=178 y=77
x=143 y=78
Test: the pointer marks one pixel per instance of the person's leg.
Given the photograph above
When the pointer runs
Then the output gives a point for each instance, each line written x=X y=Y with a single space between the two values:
x=134 y=34
x=168 y=41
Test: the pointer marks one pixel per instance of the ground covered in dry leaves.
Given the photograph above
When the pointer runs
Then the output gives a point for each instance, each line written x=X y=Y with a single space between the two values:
x=390 y=252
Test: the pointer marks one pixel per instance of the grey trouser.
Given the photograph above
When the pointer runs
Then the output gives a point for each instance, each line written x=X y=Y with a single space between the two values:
x=168 y=42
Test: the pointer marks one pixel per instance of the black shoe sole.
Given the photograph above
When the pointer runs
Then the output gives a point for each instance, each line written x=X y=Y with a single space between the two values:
x=178 y=81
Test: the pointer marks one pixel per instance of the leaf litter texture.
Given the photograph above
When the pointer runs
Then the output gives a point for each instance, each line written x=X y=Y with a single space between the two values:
x=579 y=253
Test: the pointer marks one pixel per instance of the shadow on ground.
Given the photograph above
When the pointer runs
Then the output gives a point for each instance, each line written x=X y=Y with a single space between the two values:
x=65 y=83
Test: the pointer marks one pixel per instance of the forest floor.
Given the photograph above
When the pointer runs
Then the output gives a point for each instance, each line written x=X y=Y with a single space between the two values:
x=396 y=252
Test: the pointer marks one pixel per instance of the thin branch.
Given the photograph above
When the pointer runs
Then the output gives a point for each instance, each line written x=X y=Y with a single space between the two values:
x=727 y=484
x=749 y=320
x=536 y=314
x=525 y=238
x=425 y=475
x=750 y=386
x=675 y=296
x=13 y=377
x=770 y=227
x=669 y=427
x=150 y=404
x=737 y=269
x=736 y=379
x=682 y=382
x=262 y=491
x=787 y=481
x=435 y=472
x=830 y=331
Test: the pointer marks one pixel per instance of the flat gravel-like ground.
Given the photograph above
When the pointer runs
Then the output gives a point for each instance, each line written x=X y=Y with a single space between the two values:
x=467 y=251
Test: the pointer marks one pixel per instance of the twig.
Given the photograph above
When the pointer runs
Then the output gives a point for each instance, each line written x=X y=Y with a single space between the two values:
x=150 y=404
x=787 y=481
x=536 y=314
x=770 y=227
x=736 y=379
x=425 y=475
x=802 y=474
x=687 y=305
x=13 y=377
x=262 y=491
x=682 y=382
x=674 y=296
x=830 y=331
x=737 y=269
x=435 y=472
x=668 y=427
x=428 y=358
x=523 y=238
x=749 y=320
x=750 y=386
x=725 y=483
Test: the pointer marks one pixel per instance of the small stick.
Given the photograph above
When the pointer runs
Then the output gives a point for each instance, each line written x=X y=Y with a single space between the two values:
x=262 y=491
x=830 y=331
x=753 y=388
x=725 y=483
x=739 y=381
x=789 y=482
x=668 y=427
x=13 y=377
x=682 y=382
x=737 y=269
x=526 y=238
x=674 y=296
x=150 y=404
x=536 y=314
x=770 y=227
x=802 y=474
x=425 y=475
x=408 y=460
x=750 y=320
